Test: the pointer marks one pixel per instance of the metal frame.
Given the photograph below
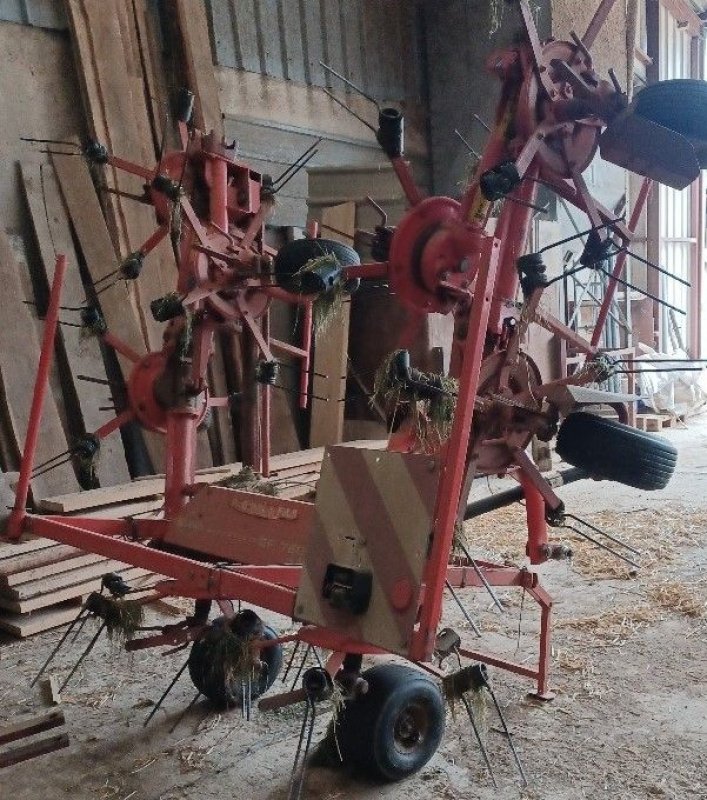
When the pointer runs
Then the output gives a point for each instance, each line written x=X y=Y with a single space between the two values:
x=443 y=257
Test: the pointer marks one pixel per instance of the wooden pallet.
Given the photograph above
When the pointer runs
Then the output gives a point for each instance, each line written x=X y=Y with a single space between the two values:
x=655 y=422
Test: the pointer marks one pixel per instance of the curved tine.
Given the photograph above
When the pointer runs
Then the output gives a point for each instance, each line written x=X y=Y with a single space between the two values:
x=516 y=757
x=67 y=632
x=158 y=704
x=356 y=88
x=350 y=110
x=604 y=533
x=466 y=614
x=603 y=546
x=82 y=656
x=477 y=733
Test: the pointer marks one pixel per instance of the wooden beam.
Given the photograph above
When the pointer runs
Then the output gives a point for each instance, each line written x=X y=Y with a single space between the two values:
x=31 y=726
x=82 y=355
x=331 y=349
x=38 y=748
x=193 y=23
x=19 y=356
x=99 y=254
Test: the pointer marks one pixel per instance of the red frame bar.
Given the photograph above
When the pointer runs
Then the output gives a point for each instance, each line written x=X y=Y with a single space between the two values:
x=435 y=575
x=19 y=512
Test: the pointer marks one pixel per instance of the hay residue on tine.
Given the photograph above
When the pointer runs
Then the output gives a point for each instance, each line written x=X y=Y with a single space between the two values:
x=327 y=305
x=247 y=480
x=432 y=413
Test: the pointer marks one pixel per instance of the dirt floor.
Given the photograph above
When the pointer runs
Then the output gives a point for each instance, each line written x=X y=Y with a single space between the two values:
x=629 y=664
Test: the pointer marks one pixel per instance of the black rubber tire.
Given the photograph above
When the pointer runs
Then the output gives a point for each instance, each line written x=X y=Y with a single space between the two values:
x=679 y=105
x=294 y=255
x=211 y=681
x=394 y=729
x=609 y=450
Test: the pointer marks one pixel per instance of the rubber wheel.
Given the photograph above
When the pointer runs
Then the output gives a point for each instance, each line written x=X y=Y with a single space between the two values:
x=609 y=450
x=210 y=679
x=294 y=255
x=679 y=105
x=394 y=729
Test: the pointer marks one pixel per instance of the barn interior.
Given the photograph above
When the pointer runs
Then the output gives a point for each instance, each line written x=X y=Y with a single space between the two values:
x=353 y=387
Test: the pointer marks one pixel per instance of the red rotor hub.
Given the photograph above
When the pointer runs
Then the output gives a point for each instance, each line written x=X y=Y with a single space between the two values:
x=574 y=146
x=142 y=396
x=423 y=251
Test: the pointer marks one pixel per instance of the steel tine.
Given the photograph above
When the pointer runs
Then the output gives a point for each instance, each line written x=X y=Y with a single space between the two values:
x=345 y=80
x=603 y=546
x=81 y=627
x=298 y=161
x=158 y=704
x=466 y=144
x=185 y=712
x=305 y=719
x=294 y=172
x=54 y=652
x=318 y=659
x=477 y=733
x=350 y=110
x=508 y=735
x=83 y=655
x=456 y=599
x=243 y=700
x=604 y=533
x=301 y=666
x=482 y=578
x=299 y=782
x=291 y=661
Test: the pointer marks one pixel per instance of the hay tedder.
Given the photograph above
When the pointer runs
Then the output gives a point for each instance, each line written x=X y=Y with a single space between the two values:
x=362 y=568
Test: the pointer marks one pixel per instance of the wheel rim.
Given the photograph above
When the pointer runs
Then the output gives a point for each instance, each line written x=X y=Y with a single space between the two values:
x=411 y=728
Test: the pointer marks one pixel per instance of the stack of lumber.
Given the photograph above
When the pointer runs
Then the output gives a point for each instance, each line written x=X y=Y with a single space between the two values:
x=42 y=583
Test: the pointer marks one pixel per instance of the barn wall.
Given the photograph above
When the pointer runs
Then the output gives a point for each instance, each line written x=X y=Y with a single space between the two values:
x=272 y=86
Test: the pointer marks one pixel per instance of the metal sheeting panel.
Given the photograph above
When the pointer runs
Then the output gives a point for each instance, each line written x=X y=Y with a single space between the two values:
x=678 y=237
x=375 y=43
x=41 y=13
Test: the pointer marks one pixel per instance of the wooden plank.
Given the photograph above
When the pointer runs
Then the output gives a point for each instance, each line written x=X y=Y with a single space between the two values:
x=285 y=465
x=82 y=355
x=31 y=726
x=78 y=501
x=19 y=356
x=331 y=350
x=98 y=251
x=52 y=583
x=26 y=751
x=194 y=28
x=26 y=544
x=59 y=567
x=38 y=558
x=99 y=254
x=24 y=625
x=154 y=72
x=125 y=510
x=117 y=102
x=67 y=593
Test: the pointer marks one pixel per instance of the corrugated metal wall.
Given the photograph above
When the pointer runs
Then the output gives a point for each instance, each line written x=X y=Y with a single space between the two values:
x=375 y=43
x=678 y=239
x=42 y=13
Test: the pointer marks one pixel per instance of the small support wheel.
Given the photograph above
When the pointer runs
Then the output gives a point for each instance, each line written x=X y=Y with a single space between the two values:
x=208 y=668
x=392 y=730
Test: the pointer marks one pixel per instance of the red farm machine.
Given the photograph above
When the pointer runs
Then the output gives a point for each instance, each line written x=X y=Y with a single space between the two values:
x=362 y=568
